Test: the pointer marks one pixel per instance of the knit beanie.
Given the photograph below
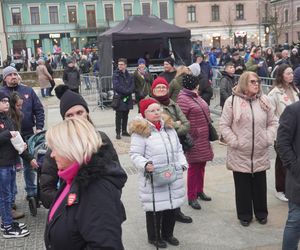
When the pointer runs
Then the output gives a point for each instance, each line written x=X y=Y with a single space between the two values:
x=141 y=61
x=68 y=99
x=170 y=61
x=3 y=95
x=145 y=103
x=195 y=68
x=159 y=80
x=190 y=82
x=8 y=70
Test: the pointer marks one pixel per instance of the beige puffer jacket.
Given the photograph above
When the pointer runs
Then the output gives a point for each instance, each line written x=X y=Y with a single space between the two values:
x=248 y=125
x=279 y=99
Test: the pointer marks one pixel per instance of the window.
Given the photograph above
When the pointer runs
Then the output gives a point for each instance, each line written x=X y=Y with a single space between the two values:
x=215 y=13
x=287 y=37
x=240 y=11
x=146 y=9
x=127 y=10
x=109 y=12
x=72 y=14
x=298 y=14
x=191 y=11
x=298 y=34
x=53 y=14
x=16 y=16
x=91 y=16
x=35 y=15
x=163 y=10
x=286 y=16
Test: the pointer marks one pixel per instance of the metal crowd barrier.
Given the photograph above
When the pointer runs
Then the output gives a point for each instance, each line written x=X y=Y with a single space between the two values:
x=97 y=91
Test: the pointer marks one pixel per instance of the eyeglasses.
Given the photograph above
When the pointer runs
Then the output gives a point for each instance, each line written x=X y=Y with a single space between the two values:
x=161 y=87
x=4 y=101
x=152 y=111
x=254 y=82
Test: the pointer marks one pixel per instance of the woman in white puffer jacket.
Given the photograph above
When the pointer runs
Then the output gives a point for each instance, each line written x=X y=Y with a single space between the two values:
x=154 y=145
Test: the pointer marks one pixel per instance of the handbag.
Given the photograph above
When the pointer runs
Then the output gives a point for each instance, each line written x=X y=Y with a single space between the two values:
x=167 y=174
x=213 y=135
x=115 y=103
x=186 y=142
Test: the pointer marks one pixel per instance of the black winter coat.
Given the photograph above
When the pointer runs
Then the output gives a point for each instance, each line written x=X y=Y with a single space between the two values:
x=71 y=77
x=227 y=82
x=8 y=154
x=49 y=177
x=288 y=147
x=123 y=86
x=91 y=215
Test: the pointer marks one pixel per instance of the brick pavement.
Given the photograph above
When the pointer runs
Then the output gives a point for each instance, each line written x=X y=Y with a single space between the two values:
x=215 y=226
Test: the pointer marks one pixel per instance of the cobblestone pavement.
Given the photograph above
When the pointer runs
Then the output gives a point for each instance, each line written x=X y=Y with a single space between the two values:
x=214 y=227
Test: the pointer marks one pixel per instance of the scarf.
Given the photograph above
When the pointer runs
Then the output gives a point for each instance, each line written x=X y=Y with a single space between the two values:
x=67 y=175
x=164 y=100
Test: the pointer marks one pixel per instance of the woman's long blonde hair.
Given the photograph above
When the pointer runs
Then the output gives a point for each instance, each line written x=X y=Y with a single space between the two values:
x=76 y=139
x=182 y=70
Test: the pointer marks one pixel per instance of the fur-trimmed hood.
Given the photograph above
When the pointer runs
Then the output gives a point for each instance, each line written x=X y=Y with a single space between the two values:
x=143 y=127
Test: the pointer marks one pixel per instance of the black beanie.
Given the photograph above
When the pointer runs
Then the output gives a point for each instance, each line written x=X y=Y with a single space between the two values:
x=68 y=99
x=190 y=82
x=170 y=61
x=3 y=95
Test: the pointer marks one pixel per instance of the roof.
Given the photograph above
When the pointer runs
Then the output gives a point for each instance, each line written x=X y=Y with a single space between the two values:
x=140 y=25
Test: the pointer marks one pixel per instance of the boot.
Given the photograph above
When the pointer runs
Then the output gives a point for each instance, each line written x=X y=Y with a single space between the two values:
x=204 y=197
x=17 y=214
x=181 y=217
x=118 y=137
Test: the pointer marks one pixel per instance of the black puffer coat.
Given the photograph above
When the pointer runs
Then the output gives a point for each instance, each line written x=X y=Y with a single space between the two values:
x=91 y=214
x=49 y=178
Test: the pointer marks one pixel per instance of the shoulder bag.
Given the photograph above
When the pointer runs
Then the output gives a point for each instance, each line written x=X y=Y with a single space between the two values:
x=213 y=135
x=115 y=103
x=165 y=175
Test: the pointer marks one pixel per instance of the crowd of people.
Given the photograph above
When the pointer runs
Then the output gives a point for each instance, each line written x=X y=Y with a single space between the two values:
x=82 y=178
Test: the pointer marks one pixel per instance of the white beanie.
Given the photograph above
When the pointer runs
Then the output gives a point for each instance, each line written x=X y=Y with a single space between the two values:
x=195 y=68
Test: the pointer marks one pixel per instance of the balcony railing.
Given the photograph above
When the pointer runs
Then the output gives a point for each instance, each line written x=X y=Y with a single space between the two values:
x=83 y=29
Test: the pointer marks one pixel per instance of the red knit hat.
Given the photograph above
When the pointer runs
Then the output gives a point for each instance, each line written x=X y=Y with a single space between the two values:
x=145 y=103
x=159 y=80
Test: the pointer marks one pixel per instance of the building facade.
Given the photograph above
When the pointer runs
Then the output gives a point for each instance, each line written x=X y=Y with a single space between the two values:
x=221 y=23
x=3 y=43
x=284 y=20
x=54 y=26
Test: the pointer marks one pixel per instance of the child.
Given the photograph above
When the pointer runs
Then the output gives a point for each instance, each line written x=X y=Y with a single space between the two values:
x=10 y=228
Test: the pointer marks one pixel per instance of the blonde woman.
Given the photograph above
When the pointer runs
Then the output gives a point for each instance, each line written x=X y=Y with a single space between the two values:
x=248 y=126
x=176 y=83
x=87 y=212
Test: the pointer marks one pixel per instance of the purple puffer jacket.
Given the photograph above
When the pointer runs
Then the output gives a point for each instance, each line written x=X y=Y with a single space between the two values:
x=201 y=151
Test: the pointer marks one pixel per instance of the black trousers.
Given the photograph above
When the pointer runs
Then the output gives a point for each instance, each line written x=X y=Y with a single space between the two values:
x=165 y=223
x=280 y=173
x=251 y=192
x=52 y=82
x=121 y=121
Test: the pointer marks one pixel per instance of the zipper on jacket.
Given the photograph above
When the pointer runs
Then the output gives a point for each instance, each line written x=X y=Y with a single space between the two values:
x=252 y=151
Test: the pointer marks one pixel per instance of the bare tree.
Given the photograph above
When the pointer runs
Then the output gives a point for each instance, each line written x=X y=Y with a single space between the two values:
x=229 y=24
x=277 y=22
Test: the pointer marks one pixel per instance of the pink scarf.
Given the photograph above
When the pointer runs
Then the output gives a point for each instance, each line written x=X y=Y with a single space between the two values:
x=68 y=175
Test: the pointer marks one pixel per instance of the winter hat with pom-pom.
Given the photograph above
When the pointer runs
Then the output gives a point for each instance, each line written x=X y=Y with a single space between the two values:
x=68 y=99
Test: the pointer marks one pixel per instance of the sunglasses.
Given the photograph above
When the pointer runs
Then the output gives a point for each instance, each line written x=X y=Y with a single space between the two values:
x=254 y=82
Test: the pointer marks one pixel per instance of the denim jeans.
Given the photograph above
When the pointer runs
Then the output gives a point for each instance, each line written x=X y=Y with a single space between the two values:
x=30 y=179
x=87 y=82
x=45 y=92
x=7 y=186
x=291 y=233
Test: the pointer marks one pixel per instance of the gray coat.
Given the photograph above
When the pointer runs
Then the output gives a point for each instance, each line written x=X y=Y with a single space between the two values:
x=149 y=144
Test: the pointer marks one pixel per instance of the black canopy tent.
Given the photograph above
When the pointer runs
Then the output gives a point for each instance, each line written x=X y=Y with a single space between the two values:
x=138 y=34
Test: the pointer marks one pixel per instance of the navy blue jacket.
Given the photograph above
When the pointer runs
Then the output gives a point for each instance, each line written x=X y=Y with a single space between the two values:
x=123 y=86
x=206 y=69
x=32 y=109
